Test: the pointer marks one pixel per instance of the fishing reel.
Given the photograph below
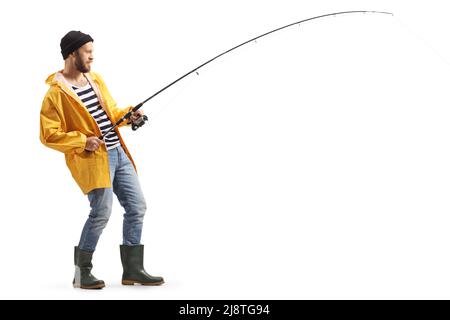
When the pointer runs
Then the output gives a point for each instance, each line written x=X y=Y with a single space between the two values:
x=139 y=122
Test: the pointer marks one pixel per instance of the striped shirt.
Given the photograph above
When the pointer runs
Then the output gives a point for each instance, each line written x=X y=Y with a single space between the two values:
x=89 y=98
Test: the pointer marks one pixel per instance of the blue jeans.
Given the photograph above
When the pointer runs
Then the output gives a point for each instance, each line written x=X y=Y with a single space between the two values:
x=125 y=185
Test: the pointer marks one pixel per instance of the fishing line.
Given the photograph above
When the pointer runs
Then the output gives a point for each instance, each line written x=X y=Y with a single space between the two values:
x=156 y=113
x=421 y=39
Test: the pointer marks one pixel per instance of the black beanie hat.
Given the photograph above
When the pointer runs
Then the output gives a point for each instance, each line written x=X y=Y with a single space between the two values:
x=72 y=41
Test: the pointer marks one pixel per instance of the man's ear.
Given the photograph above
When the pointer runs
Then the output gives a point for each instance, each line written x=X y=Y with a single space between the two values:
x=73 y=54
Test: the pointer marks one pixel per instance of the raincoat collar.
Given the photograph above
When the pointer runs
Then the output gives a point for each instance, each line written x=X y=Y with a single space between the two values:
x=57 y=79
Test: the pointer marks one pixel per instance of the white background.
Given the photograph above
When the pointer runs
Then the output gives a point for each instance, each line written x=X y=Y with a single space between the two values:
x=313 y=164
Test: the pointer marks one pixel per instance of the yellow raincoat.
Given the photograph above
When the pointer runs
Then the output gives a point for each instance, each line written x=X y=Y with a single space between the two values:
x=66 y=123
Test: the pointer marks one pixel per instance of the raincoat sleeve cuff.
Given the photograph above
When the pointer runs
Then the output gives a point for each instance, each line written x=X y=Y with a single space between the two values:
x=83 y=143
x=127 y=122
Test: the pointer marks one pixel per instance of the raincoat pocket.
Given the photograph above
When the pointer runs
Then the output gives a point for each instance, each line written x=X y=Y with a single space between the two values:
x=86 y=168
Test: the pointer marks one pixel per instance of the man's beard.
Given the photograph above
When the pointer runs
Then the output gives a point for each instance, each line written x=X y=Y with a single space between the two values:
x=79 y=64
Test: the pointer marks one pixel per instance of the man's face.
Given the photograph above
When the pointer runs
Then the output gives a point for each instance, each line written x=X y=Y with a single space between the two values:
x=84 y=57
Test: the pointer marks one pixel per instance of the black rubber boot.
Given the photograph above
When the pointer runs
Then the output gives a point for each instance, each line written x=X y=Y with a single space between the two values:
x=133 y=267
x=83 y=277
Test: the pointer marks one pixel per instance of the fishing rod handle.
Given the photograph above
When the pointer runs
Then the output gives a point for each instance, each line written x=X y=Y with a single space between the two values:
x=137 y=107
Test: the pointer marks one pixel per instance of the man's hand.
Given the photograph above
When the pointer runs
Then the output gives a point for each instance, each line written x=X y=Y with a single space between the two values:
x=136 y=115
x=93 y=143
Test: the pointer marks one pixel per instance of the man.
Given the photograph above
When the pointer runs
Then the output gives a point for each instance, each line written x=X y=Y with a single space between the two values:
x=76 y=110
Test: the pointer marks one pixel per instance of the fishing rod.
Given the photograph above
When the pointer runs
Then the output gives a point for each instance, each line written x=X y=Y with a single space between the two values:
x=141 y=121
